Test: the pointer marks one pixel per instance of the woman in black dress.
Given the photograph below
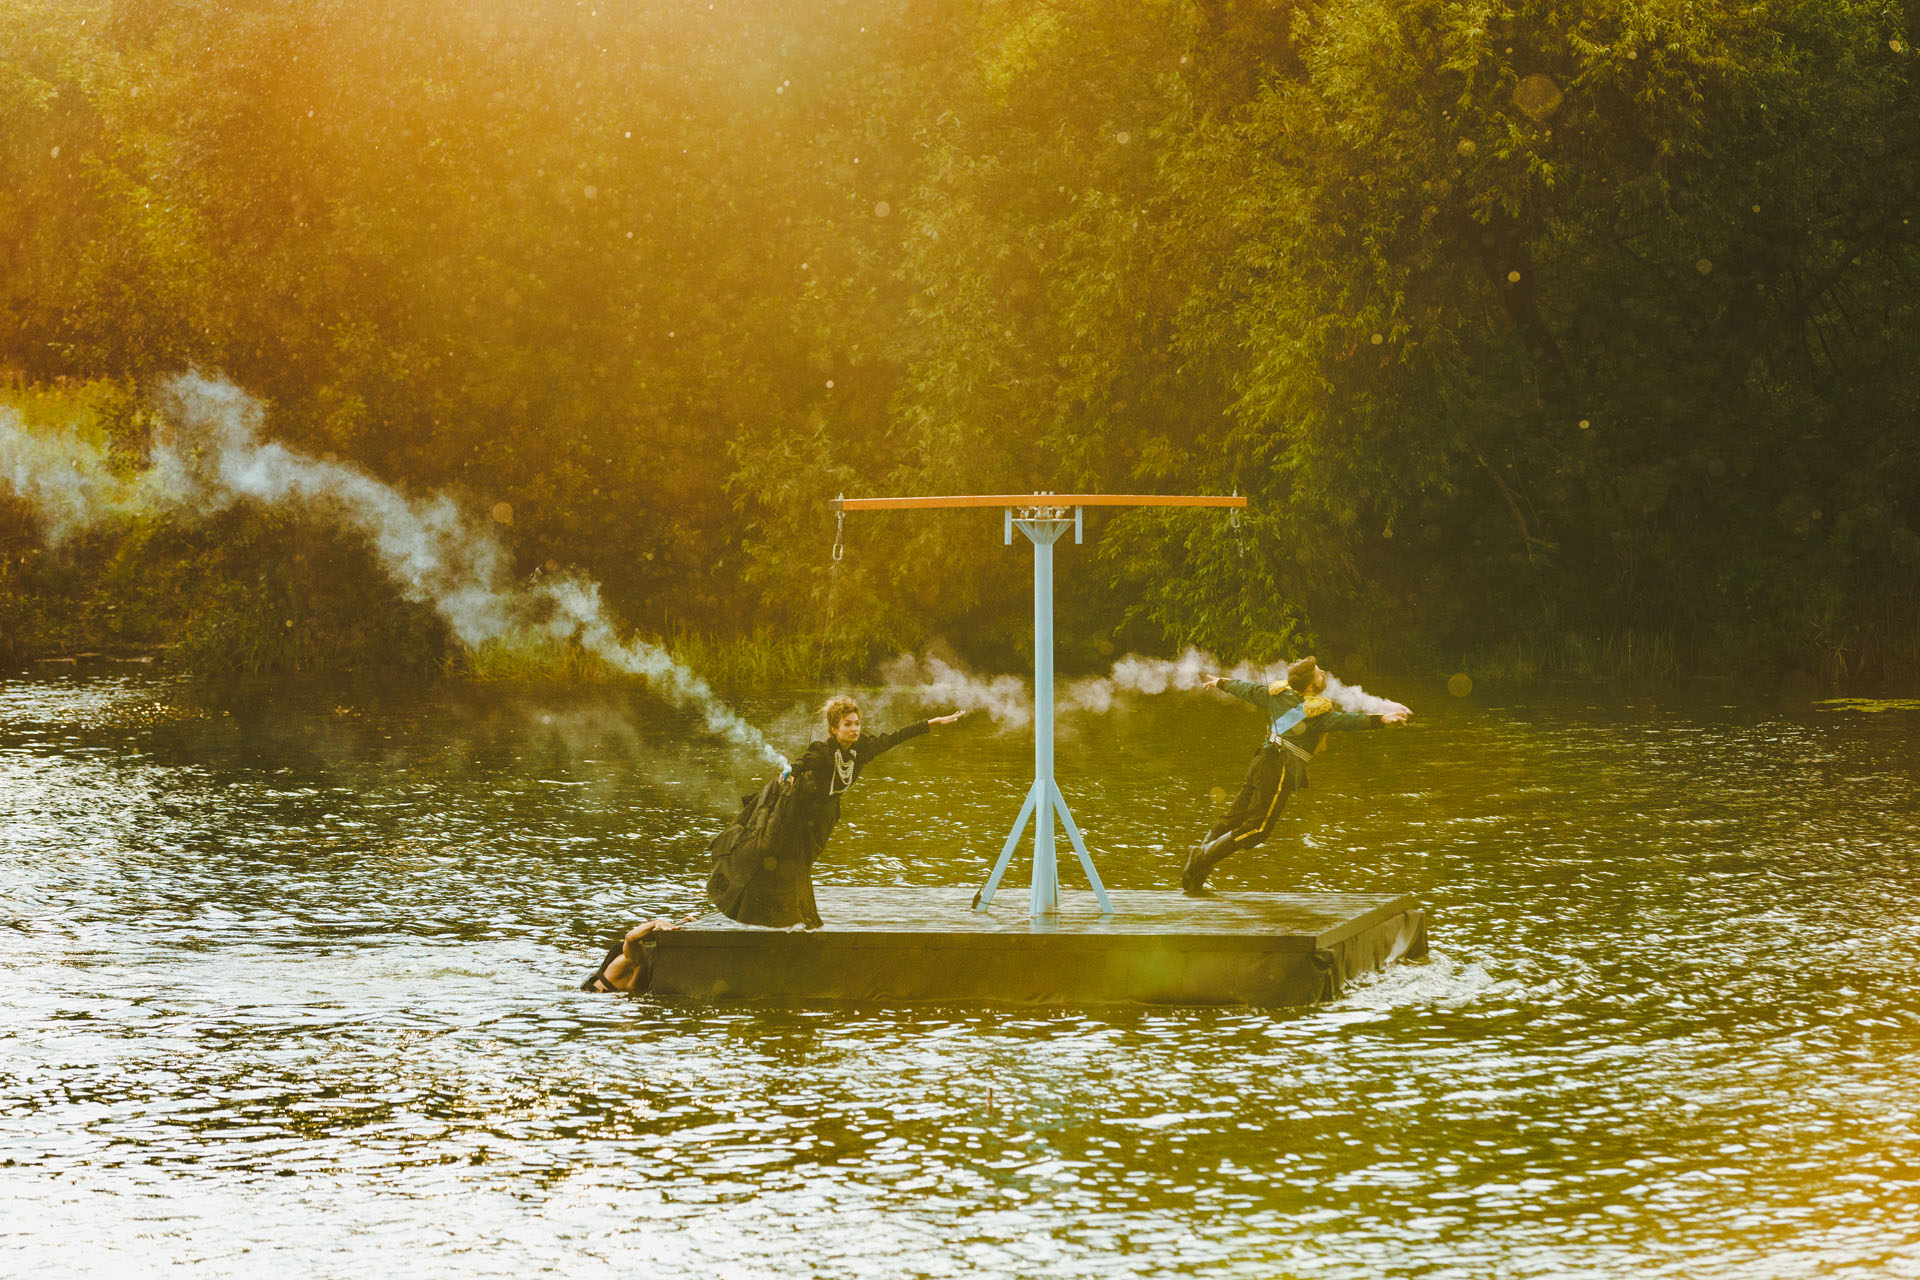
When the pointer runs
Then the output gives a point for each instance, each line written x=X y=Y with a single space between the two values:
x=763 y=861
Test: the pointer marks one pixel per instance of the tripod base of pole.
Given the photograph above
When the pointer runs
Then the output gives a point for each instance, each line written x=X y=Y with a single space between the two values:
x=1043 y=801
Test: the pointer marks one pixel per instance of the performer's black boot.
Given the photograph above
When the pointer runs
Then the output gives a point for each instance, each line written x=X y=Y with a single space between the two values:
x=1201 y=859
x=1188 y=884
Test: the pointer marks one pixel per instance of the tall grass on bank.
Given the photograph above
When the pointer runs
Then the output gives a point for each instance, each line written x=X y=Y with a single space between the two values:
x=1883 y=652
x=1614 y=655
x=728 y=660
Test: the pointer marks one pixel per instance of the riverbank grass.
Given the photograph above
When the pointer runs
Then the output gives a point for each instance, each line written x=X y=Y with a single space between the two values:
x=728 y=660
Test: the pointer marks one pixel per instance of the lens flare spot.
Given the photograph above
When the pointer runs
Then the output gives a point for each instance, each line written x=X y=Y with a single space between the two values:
x=1538 y=96
x=1459 y=684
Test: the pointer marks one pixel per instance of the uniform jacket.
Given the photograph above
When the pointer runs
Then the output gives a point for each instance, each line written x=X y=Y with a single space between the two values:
x=1307 y=736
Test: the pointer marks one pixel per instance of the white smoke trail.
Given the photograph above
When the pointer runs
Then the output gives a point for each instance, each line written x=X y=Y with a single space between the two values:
x=68 y=480
x=1009 y=699
x=1135 y=674
x=1351 y=697
x=578 y=616
x=1005 y=698
x=213 y=458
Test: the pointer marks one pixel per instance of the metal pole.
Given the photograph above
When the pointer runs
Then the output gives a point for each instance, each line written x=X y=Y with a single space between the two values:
x=1044 y=800
x=1044 y=899
x=1043 y=522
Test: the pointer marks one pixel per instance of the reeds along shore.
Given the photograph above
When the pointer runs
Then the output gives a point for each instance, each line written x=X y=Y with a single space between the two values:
x=251 y=589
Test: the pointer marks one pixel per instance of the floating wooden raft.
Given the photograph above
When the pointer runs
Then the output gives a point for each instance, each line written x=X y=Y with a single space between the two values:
x=886 y=945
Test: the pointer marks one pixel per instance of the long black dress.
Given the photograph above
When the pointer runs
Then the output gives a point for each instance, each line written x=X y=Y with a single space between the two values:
x=763 y=861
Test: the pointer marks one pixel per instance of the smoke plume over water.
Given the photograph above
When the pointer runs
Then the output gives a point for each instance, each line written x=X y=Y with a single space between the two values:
x=1009 y=699
x=212 y=457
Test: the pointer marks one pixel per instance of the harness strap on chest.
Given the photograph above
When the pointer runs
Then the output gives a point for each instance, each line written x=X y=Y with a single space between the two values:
x=1282 y=723
x=1291 y=719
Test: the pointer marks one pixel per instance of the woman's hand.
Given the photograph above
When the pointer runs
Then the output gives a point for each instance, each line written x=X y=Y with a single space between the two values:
x=1398 y=716
x=1210 y=682
x=946 y=719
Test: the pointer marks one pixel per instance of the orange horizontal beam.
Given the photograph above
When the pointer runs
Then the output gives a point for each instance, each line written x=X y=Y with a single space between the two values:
x=1039 y=500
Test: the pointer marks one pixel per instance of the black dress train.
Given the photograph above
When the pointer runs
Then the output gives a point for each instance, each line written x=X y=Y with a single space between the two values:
x=763 y=861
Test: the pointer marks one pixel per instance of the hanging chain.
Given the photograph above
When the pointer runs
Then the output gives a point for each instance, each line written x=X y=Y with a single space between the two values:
x=833 y=591
x=1239 y=533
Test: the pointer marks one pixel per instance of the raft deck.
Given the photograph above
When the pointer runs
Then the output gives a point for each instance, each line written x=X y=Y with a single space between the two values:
x=894 y=945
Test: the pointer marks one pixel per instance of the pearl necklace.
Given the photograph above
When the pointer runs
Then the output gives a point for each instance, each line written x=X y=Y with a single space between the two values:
x=842 y=771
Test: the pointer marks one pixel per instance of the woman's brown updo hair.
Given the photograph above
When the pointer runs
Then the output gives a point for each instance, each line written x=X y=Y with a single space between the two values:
x=838 y=708
x=1301 y=675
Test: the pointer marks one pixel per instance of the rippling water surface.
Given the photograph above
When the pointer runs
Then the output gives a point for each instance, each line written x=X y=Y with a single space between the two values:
x=287 y=986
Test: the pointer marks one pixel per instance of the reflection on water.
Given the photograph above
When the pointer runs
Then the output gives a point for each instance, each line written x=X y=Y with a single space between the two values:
x=286 y=984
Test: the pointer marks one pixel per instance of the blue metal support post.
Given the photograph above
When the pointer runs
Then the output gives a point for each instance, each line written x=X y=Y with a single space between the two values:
x=1043 y=518
x=1043 y=526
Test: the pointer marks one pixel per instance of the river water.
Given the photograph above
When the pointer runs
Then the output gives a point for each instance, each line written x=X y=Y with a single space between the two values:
x=287 y=986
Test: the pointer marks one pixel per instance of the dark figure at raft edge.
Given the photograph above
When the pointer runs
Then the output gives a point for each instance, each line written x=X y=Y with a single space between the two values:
x=629 y=962
x=1298 y=721
x=763 y=861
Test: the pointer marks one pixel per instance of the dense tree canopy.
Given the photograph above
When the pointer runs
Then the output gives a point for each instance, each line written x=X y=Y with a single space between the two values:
x=1529 y=328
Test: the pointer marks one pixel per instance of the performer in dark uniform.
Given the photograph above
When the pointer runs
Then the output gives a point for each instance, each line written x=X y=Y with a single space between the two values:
x=1299 y=719
x=763 y=862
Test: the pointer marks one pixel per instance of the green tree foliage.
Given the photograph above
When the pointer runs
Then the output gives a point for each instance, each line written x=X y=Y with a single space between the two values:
x=1544 y=298
x=1523 y=323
